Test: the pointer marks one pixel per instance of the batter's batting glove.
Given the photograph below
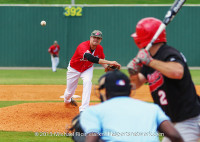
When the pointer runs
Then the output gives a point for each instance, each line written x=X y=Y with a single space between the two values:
x=144 y=57
x=134 y=66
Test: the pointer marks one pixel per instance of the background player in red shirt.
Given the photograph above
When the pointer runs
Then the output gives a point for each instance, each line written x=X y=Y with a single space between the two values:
x=81 y=66
x=167 y=73
x=54 y=51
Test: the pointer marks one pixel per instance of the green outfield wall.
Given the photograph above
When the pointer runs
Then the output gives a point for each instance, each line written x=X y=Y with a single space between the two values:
x=24 y=42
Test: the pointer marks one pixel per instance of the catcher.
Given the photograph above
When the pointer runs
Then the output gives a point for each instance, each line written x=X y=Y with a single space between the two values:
x=81 y=66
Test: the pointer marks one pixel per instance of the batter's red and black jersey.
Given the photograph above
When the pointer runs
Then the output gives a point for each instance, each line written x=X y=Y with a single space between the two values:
x=178 y=98
x=54 y=49
x=78 y=62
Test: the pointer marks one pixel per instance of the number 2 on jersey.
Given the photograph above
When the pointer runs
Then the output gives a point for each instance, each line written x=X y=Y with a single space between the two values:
x=163 y=99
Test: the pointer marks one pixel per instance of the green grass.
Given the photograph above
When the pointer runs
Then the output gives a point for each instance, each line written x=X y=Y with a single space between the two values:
x=94 y=1
x=47 y=77
x=32 y=77
x=11 y=103
x=32 y=137
x=195 y=76
x=40 y=77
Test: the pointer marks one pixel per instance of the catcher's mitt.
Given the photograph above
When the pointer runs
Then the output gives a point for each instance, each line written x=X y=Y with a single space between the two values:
x=111 y=68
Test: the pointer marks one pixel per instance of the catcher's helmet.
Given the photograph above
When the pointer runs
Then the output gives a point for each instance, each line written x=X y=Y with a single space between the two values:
x=145 y=30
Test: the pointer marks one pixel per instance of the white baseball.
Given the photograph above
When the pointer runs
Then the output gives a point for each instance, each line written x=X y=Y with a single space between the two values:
x=43 y=23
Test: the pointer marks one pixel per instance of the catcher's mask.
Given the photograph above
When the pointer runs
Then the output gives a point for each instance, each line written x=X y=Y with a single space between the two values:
x=114 y=84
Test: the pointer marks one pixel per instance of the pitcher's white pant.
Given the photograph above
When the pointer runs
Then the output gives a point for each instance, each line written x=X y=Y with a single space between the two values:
x=72 y=82
x=55 y=62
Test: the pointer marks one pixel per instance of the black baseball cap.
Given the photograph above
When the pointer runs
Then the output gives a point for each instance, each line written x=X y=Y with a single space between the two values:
x=116 y=83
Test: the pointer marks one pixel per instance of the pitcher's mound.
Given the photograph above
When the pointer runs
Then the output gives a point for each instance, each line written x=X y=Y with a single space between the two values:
x=37 y=117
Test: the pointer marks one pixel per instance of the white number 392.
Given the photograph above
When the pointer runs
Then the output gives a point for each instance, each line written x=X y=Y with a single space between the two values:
x=163 y=99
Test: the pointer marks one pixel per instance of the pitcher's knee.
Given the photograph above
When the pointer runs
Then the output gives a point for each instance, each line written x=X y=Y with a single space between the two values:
x=87 y=82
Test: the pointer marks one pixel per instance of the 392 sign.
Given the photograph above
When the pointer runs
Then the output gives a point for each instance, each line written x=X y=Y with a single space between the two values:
x=73 y=11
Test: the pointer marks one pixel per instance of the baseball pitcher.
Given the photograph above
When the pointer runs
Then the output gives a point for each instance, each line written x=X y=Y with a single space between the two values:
x=81 y=66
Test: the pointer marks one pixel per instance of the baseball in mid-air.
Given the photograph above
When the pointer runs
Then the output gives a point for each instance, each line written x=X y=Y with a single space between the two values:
x=43 y=23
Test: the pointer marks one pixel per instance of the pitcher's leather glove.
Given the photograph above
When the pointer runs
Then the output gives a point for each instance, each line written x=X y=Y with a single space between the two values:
x=111 y=68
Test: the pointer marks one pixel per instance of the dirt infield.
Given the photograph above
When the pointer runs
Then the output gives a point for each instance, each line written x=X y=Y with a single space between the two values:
x=37 y=117
x=52 y=93
x=44 y=116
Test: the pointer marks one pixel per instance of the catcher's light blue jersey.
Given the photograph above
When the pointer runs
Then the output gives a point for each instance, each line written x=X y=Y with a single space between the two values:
x=123 y=119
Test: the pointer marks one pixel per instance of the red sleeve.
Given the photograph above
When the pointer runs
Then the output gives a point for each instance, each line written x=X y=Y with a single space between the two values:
x=58 y=47
x=50 y=48
x=102 y=55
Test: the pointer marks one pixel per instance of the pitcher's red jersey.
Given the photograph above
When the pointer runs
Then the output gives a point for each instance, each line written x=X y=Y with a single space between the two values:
x=78 y=62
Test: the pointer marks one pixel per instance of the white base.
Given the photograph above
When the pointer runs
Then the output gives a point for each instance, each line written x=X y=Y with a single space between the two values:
x=74 y=96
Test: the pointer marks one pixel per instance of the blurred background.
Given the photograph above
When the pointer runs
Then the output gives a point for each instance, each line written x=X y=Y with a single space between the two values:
x=25 y=43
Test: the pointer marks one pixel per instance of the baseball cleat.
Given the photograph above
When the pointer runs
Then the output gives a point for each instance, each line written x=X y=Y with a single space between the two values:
x=73 y=102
